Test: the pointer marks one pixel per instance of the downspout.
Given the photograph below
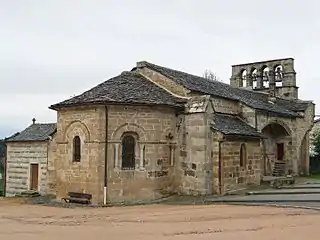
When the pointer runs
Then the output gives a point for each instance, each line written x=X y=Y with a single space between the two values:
x=106 y=159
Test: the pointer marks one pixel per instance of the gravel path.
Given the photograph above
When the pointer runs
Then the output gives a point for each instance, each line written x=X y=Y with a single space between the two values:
x=157 y=222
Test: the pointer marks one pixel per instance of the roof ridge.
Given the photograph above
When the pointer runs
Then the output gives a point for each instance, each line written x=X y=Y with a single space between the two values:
x=255 y=99
x=145 y=63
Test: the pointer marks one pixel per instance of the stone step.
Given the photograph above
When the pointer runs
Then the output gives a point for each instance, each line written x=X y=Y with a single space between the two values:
x=302 y=186
x=29 y=193
x=266 y=198
x=286 y=191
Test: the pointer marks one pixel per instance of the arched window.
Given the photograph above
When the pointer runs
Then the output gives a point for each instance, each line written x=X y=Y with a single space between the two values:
x=243 y=155
x=265 y=77
x=244 y=78
x=278 y=76
x=128 y=152
x=254 y=75
x=76 y=149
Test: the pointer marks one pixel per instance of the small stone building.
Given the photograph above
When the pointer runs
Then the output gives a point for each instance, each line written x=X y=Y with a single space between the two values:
x=27 y=157
x=154 y=131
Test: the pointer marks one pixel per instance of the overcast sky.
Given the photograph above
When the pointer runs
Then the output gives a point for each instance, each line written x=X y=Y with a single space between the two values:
x=53 y=49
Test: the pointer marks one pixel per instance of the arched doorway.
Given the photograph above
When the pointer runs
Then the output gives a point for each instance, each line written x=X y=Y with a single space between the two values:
x=276 y=149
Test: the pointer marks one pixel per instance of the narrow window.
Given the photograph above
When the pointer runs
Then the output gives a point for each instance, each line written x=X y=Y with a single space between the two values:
x=76 y=149
x=128 y=152
x=144 y=155
x=243 y=155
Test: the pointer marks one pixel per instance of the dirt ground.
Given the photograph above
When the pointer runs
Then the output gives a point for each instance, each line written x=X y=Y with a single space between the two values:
x=157 y=222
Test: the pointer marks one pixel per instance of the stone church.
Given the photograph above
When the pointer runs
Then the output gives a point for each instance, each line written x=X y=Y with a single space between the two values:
x=154 y=131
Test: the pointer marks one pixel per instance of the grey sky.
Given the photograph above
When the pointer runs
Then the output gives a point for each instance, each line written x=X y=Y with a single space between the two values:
x=51 y=50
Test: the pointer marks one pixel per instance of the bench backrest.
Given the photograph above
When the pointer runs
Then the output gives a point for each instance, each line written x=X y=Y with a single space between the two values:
x=79 y=195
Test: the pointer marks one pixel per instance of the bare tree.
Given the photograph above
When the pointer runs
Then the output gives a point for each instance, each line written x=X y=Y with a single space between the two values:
x=208 y=74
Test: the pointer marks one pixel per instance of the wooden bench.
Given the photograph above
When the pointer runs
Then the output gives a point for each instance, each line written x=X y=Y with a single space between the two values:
x=76 y=197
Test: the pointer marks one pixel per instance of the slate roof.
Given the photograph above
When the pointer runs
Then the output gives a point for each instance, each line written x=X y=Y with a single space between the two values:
x=128 y=88
x=35 y=132
x=232 y=125
x=251 y=98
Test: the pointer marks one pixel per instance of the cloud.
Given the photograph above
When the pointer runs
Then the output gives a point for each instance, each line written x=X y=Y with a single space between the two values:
x=51 y=50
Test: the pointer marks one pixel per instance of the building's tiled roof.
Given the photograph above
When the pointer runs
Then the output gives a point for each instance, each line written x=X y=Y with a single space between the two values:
x=251 y=98
x=294 y=105
x=127 y=88
x=35 y=132
x=232 y=125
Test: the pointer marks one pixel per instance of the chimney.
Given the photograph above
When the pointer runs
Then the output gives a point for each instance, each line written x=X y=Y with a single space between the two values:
x=33 y=120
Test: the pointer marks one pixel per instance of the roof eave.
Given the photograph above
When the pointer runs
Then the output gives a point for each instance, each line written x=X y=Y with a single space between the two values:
x=60 y=106
x=238 y=136
x=27 y=140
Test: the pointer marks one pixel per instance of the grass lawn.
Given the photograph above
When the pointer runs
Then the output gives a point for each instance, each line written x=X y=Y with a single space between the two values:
x=314 y=176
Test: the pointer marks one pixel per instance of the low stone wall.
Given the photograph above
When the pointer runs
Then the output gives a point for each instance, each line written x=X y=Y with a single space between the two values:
x=234 y=175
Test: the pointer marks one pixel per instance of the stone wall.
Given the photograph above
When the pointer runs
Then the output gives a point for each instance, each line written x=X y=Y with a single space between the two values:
x=249 y=114
x=196 y=171
x=218 y=180
x=235 y=176
x=153 y=175
x=222 y=105
x=19 y=158
x=51 y=170
x=86 y=175
x=154 y=153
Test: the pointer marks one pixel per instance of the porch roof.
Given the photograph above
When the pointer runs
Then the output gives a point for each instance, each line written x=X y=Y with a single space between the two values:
x=233 y=125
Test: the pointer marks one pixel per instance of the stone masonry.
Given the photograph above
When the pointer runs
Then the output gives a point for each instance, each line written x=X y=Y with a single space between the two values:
x=188 y=135
x=19 y=158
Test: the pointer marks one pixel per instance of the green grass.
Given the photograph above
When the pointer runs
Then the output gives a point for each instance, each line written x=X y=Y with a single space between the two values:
x=314 y=176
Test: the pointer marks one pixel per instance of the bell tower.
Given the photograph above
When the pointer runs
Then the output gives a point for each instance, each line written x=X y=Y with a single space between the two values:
x=276 y=77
